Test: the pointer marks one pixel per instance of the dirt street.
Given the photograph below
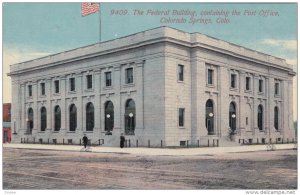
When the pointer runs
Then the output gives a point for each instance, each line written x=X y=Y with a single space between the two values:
x=45 y=169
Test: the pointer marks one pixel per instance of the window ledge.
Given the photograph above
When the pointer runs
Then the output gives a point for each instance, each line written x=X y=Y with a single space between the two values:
x=277 y=96
x=56 y=94
x=89 y=90
x=212 y=135
x=108 y=88
x=41 y=131
x=72 y=92
x=260 y=93
x=182 y=82
x=88 y=132
x=128 y=85
x=210 y=85
x=233 y=89
x=71 y=131
x=55 y=131
x=248 y=91
x=29 y=97
x=43 y=96
x=181 y=127
x=277 y=131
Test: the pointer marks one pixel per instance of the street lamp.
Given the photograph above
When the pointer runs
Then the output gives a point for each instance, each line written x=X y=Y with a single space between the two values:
x=130 y=120
x=232 y=122
x=209 y=125
x=107 y=125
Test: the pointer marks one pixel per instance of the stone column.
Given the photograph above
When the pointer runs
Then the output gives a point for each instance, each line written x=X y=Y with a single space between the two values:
x=117 y=104
x=140 y=96
x=241 y=112
x=285 y=108
x=79 y=90
x=266 y=110
x=223 y=103
x=48 y=106
x=255 y=104
x=290 y=109
x=35 y=108
x=97 y=85
x=23 y=111
x=198 y=83
x=270 y=106
x=63 y=104
x=15 y=106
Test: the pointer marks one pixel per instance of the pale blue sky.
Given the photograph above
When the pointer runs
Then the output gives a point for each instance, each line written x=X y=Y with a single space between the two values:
x=53 y=27
x=32 y=30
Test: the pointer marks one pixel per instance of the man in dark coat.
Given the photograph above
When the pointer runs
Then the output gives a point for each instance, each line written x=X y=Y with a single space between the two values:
x=122 y=140
x=85 y=140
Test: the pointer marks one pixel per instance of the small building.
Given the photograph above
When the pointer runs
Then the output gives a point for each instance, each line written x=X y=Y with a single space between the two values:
x=6 y=123
x=160 y=86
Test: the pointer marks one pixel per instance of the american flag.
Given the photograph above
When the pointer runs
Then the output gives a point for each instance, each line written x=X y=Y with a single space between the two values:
x=89 y=8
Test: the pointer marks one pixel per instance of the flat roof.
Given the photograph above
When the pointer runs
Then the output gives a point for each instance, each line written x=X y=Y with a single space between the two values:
x=148 y=35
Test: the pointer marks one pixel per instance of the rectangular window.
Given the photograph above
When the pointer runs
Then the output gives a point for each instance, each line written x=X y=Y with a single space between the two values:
x=129 y=75
x=29 y=90
x=56 y=84
x=276 y=88
x=247 y=83
x=246 y=120
x=72 y=84
x=42 y=88
x=210 y=74
x=181 y=117
x=260 y=85
x=233 y=81
x=89 y=81
x=108 y=79
x=180 y=72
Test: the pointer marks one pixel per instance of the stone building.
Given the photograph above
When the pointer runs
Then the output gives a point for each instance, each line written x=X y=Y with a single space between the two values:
x=162 y=86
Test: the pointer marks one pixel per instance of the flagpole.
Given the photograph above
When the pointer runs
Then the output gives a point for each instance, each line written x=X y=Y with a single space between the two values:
x=90 y=8
x=99 y=24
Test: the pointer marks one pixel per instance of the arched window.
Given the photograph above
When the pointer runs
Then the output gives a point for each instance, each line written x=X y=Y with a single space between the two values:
x=129 y=117
x=276 y=114
x=109 y=116
x=232 y=116
x=30 y=120
x=73 y=117
x=43 y=119
x=57 y=118
x=89 y=117
x=260 y=115
x=209 y=119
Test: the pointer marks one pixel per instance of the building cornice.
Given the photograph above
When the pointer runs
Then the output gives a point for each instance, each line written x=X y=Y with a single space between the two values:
x=150 y=37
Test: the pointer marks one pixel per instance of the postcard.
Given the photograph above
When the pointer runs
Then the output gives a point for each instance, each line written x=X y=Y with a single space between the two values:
x=150 y=96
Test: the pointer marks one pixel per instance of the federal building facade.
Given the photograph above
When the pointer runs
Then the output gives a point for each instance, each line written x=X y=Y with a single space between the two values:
x=160 y=86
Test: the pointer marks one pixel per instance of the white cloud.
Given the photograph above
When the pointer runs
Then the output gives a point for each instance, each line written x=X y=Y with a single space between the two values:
x=287 y=44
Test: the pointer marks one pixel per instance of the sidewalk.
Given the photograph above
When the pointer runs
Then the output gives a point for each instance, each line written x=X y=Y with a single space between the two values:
x=153 y=151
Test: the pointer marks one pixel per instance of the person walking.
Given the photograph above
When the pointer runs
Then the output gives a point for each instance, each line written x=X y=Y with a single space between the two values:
x=85 y=140
x=122 y=140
